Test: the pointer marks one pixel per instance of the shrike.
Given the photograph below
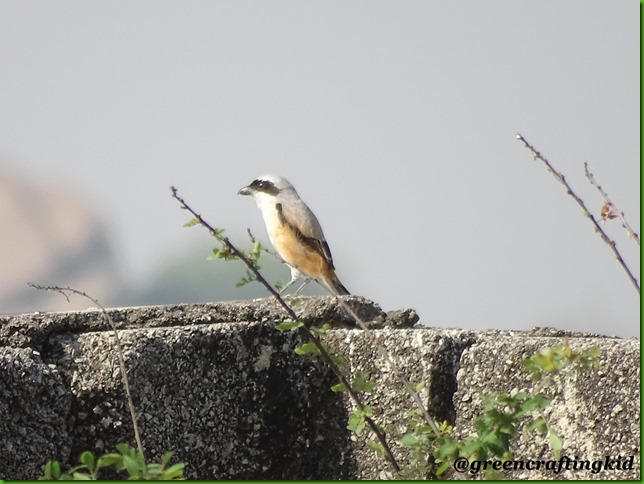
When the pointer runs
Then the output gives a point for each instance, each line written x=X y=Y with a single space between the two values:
x=294 y=231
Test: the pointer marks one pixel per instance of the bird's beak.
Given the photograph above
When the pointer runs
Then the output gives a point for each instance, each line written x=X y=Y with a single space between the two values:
x=245 y=191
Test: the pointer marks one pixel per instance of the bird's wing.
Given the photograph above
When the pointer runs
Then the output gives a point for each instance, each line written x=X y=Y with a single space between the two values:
x=298 y=216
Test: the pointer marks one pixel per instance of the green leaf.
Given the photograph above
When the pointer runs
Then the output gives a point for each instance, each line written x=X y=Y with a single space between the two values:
x=307 y=349
x=132 y=466
x=472 y=446
x=152 y=471
x=124 y=448
x=542 y=401
x=224 y=253
x=175 y=471
x=81 y=476
x=361 y=383
x=446 y=448
x=444 y=426
x=443 y=467
x=289 y=326
x=320 y=329
x=496 y=444
x=88 y=459
x=536 y=375
x=519 y=397
x=539 y=425
x=555 y=443
x=376 y=446
x=410 y=440
x=538 y=402
x=339 y=388
x=52 y=470
x=249 y=277
x=567 y=353
x=108 y=460
x=166 y=457
x=356 y=422
x=339 y=360
x=255 y=252
x=75 y=469
x=295 y=301
x=191 y=223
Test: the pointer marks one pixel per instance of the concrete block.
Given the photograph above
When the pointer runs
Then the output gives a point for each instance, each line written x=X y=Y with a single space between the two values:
x=219 y=386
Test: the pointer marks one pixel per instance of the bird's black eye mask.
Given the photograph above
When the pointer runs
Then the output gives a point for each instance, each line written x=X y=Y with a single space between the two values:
x=264 y=186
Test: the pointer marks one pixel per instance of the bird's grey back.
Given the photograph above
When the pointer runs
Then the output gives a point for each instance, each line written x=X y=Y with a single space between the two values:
x=297 y=214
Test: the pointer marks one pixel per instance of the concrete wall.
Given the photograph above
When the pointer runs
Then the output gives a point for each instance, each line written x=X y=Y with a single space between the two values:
x=219 y=386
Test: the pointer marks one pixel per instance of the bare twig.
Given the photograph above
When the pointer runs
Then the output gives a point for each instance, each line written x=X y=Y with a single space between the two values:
x=252 y=238
x=598 y=229
x=302 y=330
x=65 y=291
x=380 y=348
x=397 y=371
x=610 y=210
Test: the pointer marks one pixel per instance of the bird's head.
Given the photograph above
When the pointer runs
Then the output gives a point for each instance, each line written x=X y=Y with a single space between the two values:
x=266 y=186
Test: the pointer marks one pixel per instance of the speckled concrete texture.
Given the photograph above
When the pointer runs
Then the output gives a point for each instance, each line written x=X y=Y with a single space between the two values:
x=218 y=385
x=596 y=413
x=35 y=403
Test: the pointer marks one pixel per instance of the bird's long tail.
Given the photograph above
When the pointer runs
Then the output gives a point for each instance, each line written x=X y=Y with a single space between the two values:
x=333 y=284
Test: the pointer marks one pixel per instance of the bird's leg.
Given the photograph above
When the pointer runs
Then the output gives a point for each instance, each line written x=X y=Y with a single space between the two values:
x=295 y=275
x=306 y=281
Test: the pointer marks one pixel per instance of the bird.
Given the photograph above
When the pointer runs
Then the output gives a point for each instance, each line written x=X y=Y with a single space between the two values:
x=294 y=232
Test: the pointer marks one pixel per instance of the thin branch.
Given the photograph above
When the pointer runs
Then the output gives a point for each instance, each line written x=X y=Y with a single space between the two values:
x=252 y=238
x=302 y=330
x=379 y=347
x=119 y=349
x=397 y=371
x=382 y=350
x=610 y=210
x=598 y=229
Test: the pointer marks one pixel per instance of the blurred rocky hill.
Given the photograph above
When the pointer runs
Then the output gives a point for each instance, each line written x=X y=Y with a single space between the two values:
x=50 y=235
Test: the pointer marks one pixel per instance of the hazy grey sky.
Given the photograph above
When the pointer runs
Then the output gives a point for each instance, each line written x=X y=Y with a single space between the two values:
x=395 y=121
